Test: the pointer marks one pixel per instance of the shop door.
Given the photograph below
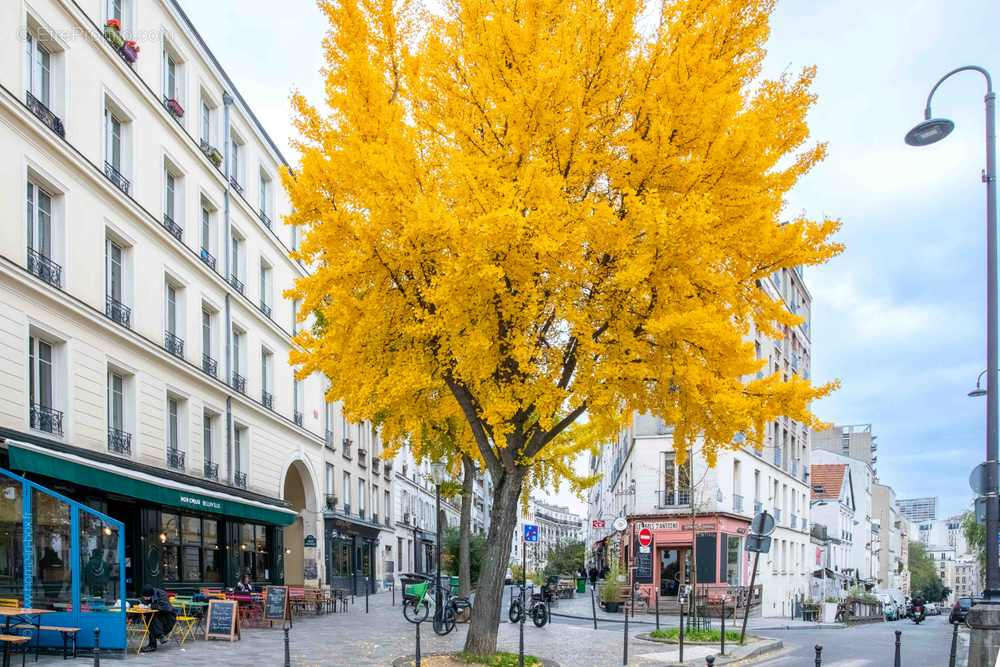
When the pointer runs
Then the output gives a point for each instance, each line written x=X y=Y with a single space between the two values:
x=670 y=571
x=151 y=551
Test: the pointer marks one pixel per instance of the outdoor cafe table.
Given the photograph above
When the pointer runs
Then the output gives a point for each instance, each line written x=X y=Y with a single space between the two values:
x=22 y=615
x=141 y=629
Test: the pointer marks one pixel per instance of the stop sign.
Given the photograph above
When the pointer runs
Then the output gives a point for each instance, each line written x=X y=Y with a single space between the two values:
x=645 y=537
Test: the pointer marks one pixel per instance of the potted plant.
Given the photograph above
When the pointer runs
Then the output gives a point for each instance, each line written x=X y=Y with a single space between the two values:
x=113 y=33
x=174 y=107
x=611 y=591
x=130 y=51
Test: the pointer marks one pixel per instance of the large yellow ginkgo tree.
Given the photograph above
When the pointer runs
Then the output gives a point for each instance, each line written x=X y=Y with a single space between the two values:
x=532 y=213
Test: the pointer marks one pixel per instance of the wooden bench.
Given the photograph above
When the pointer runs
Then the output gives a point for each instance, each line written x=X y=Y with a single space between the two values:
x=67 y=632
x=15 y=640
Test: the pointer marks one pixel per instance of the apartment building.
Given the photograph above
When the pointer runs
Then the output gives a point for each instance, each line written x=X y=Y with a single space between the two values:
x=918 y=509
x=144 y=336
x=862 y=566
x=699 y=516
x=557 y=525
x=855 y=440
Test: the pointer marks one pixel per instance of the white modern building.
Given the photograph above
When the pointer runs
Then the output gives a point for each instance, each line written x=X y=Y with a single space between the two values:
x=918 y=509
x=144 y=336
x=862 y=565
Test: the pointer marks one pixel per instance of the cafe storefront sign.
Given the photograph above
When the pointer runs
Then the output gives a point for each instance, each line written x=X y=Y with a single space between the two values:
x=200 y=503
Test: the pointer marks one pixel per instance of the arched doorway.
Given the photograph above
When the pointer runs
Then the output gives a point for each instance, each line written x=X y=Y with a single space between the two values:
x=297 y=492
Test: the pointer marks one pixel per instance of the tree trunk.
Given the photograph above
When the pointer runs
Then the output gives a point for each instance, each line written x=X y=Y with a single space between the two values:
x=465 y=527
x=482 y=637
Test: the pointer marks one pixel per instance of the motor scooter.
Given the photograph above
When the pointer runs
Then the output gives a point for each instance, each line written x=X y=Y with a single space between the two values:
x=919 y=614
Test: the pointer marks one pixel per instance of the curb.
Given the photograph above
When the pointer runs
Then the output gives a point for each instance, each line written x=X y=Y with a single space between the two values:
x=818 y=626
x=644 y=636
x=406 y=660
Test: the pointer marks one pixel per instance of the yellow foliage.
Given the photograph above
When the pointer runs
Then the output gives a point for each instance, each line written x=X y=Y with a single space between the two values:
x=522 y=212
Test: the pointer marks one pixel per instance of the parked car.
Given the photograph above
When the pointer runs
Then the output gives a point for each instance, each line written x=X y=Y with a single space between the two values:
x=931 y=609
x=960 y=610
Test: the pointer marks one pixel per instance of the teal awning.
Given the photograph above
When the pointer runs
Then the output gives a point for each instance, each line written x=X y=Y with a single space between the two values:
x=140 y=485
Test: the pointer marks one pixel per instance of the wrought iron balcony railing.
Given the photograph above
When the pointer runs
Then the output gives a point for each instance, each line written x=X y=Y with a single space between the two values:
x=240 y=479
x=267 y=400
x=208 y=258
x=236 y=185
x=44 y=418
x=239 y=383
x=209 y=365
x=44 y=268
x=175 y=230
x=45 y=115
x=173 y=344
x=211 y=470
x=331 y=501
x=237 y=283
x=118 y=312
x=175 y=459
x=116 y=177
x=119 y=442
x=672 y=498
x=299 y=418
x=266 y=309
x=263 y=218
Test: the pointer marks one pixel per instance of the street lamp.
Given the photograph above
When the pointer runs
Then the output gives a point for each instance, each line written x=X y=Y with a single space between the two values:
x=925 y=133
x=439 y=473
x=977 y=392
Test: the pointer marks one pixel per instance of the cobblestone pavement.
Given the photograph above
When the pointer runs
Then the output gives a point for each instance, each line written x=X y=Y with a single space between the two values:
x=377 y=638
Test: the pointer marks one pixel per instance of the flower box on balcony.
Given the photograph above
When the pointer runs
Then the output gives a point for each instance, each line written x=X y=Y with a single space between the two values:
x=112 y=33
x=174 y=107
x=130 y=51
x=212 y=153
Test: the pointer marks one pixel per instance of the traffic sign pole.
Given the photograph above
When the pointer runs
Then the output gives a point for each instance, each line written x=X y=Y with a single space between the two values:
x=746 y=612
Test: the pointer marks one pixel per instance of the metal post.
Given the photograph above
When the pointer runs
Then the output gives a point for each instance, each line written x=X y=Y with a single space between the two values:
x=593 y=605
x=749 y=600
x=418 y=645
x=896 y=662
x=656 y=599
x=723 y=633
x=631 y=568
x=954 y=644
x=992 y=509
x=681 y=644
x=97 y=647
x=288 y=653
x=366 y=586
x=394 y=591
x=625 y=649
x=524 y=610
x=437 y=523
x=819 y=655
x=709 y=660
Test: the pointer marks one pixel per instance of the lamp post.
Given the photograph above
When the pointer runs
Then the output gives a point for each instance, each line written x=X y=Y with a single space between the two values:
x=439 y=472
x=978 y=391
x=928 y=132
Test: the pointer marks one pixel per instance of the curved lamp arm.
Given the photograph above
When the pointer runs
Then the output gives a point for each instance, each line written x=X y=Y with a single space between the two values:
x=975 y=68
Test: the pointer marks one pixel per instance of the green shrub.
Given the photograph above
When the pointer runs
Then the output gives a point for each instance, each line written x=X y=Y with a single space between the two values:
x=695 y=635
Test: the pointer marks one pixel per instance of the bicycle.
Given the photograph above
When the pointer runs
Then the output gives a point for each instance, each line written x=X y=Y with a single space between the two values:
x=538 y=608
x=418 y=604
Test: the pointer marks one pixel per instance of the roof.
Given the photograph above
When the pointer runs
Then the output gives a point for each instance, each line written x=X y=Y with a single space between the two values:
x=827 y=480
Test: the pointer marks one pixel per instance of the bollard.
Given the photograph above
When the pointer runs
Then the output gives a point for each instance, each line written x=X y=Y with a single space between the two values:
x=593 y=606
x=819 y=655
x=288 y=653
x=656 y=597
x=897 y=663
x=723 y=634
x=393 y=593
x=681 y=644
x=366 y=595
x=625 y=650
x=418 y=645
x=954 y=644
x=97 y=647
x=709 y=660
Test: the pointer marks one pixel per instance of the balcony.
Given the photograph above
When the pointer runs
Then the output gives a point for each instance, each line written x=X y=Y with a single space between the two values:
x=175 y=459
x=45 y=115
x=44 y=268
x=347 y=509
x=119 y=442
x=361 y=513
x=211 y=152
x=666 y=499
x=263 y=218
x=172 y=227
x=374 y=517
x=173 y=344
x=347 y=448
x=236 y=283
x=738 y=504
x=267 y=400
x=362 y=457
x=266 y=309
x=387 y=469
x=209 y=365
x=329 y=441
x=174 y=107
x=299 y=418
x=406 y=518
x=211 y=471
x=331 y=501
x=239 y=383
x=240 y=479
x=208 y=258
x=116 y=177
x=118 y=312
x=236 y=185
x=375 y=464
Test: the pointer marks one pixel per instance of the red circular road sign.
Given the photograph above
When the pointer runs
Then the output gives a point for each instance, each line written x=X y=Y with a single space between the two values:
x=645 y=537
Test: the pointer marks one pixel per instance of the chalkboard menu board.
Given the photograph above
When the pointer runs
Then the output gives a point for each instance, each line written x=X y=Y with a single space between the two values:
x=223 y=620
x=276 y=603
x=644 y=566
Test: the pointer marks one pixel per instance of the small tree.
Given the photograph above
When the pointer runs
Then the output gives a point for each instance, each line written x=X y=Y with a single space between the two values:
x=451 y=553
x=565 y=558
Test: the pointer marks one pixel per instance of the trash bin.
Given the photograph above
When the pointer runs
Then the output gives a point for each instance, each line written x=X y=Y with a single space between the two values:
x=581 y=585
x=454 y=585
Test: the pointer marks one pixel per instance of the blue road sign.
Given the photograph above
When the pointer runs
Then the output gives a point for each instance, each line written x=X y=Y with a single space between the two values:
x=530 y=532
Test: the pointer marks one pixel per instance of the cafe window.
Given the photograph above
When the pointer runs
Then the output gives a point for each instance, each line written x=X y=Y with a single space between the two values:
x=256 y=555
x=99 y=563
x=190 y=548
x=340 y=558
x=733 y=553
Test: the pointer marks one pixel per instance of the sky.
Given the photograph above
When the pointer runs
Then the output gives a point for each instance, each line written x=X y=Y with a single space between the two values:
x=899 y=317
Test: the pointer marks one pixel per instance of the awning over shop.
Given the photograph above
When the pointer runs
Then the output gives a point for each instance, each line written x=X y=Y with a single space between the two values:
x=140 y=485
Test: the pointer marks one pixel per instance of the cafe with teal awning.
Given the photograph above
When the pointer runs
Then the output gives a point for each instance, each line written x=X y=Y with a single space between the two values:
x=180 y=533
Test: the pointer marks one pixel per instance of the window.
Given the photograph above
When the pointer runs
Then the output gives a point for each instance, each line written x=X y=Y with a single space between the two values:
x=347 y=492
x=361 y=497
x=236 y=163
x=236 y=262
x=266 y=366
x=239 y=382
x=190 y=549
x=241 y=449
x=297 y=399
x=386 y=505
x=206 y=122
x=256 y=555
x=116 y=401
x=330 y=490
x=40 y=242
x=116 y=276
x=170 y=196
x=115 y=145
x=44 y=416
x=169 y=76
x=173 y=423
x=173 y=318
x=208 y=362
x=265 y=198
x=207 y=439
x=676 y=482
x=265 y=287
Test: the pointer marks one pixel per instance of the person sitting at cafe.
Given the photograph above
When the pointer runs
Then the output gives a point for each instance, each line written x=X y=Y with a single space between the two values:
x=244 y=585
x=164 y=618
